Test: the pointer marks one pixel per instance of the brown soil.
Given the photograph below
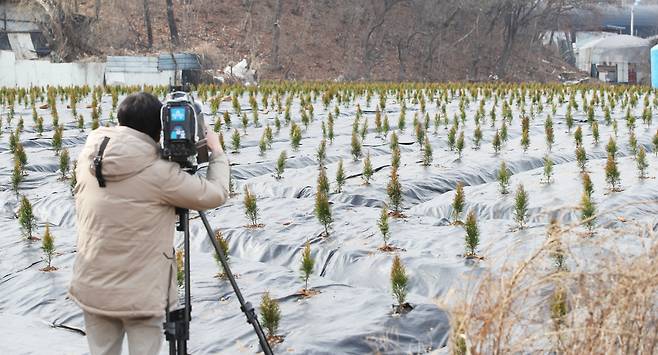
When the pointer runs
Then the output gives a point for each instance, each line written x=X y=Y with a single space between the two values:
x=307 y=293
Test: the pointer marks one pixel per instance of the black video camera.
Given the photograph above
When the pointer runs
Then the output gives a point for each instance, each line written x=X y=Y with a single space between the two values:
x=183 y=130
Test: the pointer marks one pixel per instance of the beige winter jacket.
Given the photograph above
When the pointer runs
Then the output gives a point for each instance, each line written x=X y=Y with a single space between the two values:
x=125 y=265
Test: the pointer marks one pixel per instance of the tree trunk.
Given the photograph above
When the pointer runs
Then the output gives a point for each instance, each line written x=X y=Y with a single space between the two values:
x=172 y=22
x=147 y=24
x=276 y=33
x=98 y=9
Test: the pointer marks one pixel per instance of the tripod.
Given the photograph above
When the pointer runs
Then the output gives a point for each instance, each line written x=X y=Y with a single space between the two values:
x=177 y=323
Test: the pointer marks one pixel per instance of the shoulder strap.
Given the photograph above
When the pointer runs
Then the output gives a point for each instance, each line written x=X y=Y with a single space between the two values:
x=98 y=162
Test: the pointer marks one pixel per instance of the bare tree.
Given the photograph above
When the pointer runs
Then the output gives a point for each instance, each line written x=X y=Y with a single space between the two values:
x=147 y=24
x=171 y=20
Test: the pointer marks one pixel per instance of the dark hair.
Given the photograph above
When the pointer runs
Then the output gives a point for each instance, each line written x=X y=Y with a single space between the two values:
x=141 y=111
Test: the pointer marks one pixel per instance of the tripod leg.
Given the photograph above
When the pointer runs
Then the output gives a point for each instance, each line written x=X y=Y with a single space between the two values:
x=246 y=307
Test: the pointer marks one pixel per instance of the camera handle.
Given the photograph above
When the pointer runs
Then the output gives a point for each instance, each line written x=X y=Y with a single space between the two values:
x=178 y=321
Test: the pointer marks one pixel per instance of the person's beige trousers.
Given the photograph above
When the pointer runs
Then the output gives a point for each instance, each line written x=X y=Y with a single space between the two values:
x=105 y=334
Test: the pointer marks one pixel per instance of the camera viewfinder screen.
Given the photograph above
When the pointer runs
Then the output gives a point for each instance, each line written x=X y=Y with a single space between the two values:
x=177 y=114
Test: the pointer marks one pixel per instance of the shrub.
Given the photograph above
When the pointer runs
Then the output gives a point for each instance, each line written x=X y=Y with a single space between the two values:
x=323 y=210
x=588 y=211
x=250 y=207
x=81 y=123
x=655 y=144
x=394 y=191
x=280 y=165
x=13 y=141
x=64 y=163
x=270 y=314
x=227 y=119
x=367 y=169
x=385 y=126
x=340 y=176
x=26 y=217
x=641 y=162
x=307 y=264
x=520 y=206
x=399 y=281
x=548 y=169
x=612 y=173
x=401 y=121
x=581 y=158
x=330 y=129
x=356 y=147
x=48 y=247
x=472 y=234
x=383 y=226
x=595 y=132
x=235 y=141
x=503 y=178
x=525 y=133
x=503 y=132
x=427 y=152
x=569 y=118
x=458 y=202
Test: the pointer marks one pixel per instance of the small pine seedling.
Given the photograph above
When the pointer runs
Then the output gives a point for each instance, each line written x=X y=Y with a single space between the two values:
x=458 y=202
x=223 y=244
x=321 y=152
x=48 y=247
x=394 y=191
x=64 y=163
x=427 y=152
x=235 y=141
x=472 y=234
x=520 y=206
x=26 y=218
x=323 y=210
x=307 y=264
x=250 y=207
x=270 y=314
x=612 y=173
x=280 y=165
x=356 y=147
x=581 y=158
x=180 y=267
x=503 y=178
x=367 y=169
x=399 y=281
x=641 y=162
x=383 y=226
x=340 y=176
x=548 y=169
x=588 y=211
x=588 y=186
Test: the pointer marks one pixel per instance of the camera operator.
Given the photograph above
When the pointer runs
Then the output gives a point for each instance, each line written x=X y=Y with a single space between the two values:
x=126 y=194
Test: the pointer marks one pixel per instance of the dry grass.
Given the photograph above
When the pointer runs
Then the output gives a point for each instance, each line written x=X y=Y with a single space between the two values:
x=604 y=302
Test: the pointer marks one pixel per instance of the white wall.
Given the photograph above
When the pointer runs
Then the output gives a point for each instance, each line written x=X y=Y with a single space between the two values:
x=26 y=73
x=152 y=78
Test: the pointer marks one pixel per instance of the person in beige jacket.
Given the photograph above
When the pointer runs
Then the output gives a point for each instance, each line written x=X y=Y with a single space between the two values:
x=124 y=271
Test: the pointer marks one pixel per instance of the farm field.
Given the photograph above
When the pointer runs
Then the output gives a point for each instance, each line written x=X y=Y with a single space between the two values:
x=492 y=263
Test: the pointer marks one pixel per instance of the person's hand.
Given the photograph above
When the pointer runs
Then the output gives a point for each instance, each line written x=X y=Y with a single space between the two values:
x=212 y=139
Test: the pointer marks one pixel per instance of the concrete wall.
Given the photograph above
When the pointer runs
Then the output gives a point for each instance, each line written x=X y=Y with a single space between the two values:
x=26 y=73
x=151 y=78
